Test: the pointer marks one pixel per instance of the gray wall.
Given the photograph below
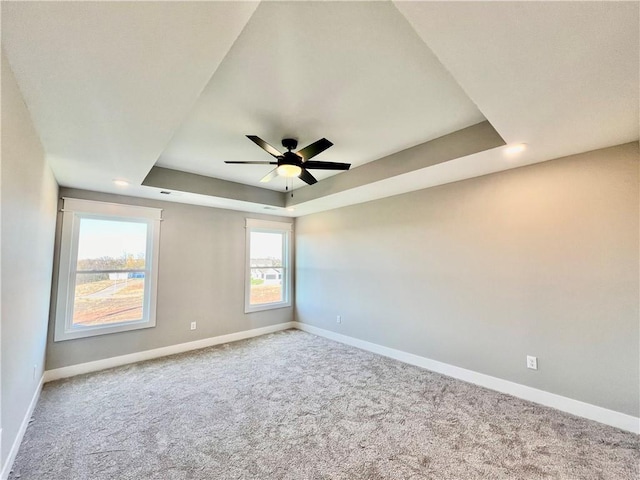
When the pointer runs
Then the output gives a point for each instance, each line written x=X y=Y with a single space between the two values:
x=541 y=260
x=201 y=279
x=29 y=198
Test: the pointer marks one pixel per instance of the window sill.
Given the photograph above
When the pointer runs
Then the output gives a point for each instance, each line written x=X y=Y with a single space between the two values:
x=266 y=306
x=72 y=334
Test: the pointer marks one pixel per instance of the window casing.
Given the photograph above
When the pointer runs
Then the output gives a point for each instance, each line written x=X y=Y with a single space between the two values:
x=268 y=265
x=108 y=268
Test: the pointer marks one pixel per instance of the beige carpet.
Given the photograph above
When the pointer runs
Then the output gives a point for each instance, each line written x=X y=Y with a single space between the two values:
x=295 y=406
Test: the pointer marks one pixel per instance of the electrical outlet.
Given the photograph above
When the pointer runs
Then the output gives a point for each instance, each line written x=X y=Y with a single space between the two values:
x=35 y=368
x=532 y=362
x=193 y=325
x=339 y=319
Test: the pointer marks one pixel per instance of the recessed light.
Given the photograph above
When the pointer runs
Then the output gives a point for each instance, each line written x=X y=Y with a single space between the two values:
x=290 y=209
x=121 y=183
x=515 y=149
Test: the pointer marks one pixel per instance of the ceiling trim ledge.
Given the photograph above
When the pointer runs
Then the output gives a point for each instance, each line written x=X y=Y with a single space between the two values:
x=168 y=179
x=470 y=140
x=467 y=141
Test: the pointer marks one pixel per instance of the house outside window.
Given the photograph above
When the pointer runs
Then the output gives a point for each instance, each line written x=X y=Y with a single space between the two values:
x=268 y=265
x=108 y=267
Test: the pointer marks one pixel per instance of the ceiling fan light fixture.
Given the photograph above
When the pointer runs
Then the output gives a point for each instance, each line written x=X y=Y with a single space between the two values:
x=289 y=171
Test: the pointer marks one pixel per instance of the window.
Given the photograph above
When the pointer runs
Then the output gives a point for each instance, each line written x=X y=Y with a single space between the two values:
x=268 y=273
x=108 y=268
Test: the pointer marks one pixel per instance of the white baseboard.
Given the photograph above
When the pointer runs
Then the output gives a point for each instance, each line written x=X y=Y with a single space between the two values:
x=15 y=446
x=565 y=404
x=111 y=362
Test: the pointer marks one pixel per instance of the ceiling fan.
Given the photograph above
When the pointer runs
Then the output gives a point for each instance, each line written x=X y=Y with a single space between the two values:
x=296 y=164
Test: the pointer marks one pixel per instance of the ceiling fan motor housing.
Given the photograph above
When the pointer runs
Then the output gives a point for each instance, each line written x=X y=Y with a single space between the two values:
x=290 y=158
x=289 y=143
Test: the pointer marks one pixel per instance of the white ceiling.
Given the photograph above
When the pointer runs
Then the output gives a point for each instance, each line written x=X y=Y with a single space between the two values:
x=108 y=83
x=114 y=88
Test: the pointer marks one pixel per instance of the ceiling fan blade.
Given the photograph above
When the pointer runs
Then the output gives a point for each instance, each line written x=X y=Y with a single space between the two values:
x=305 y=176
x=314 y=149
x=327 y=165
x=264 y=145
x=252 y=163
x=270 y=176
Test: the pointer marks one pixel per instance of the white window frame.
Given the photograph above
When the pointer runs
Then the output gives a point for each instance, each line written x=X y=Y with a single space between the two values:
x=255 y=225
x=72 y=212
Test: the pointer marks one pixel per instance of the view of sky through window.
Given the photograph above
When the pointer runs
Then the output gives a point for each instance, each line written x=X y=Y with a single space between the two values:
x=266 y=245
x=111 y=238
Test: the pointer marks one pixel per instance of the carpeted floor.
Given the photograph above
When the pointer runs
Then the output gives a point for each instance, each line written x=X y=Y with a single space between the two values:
x=295 y=406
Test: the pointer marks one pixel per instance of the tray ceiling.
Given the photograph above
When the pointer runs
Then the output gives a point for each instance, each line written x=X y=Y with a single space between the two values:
x=138 y=90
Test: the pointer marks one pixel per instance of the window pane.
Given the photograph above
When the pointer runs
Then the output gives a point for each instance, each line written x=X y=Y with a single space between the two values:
x=111 y=245
x=266 y=249
x=266 y=254
x=266 y=285
x=107 y=298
